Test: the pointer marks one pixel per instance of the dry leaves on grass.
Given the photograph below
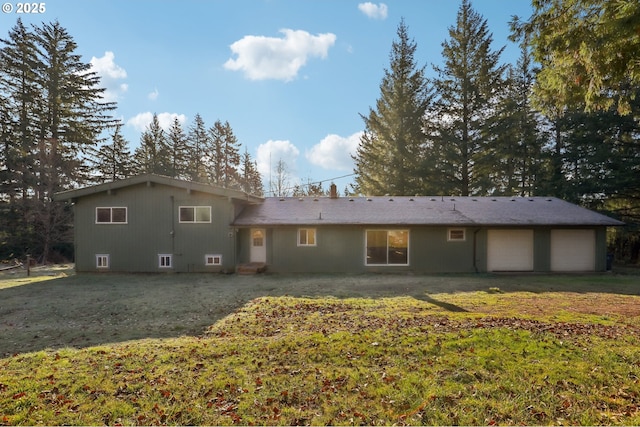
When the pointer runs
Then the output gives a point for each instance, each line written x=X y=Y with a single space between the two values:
x=271 y=318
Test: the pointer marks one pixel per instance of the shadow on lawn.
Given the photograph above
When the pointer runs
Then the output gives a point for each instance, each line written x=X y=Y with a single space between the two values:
x=92 y=309
x=445 y=305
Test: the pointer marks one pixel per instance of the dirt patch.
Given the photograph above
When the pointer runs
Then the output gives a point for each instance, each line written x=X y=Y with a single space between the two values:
x=68 y=310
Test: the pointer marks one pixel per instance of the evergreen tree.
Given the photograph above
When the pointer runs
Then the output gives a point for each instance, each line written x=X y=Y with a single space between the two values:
x=73 y=114
x=250 y=179
x=231 y=155
x=589 y=52
x=70 y=122
x=20 y=103
x=388 y=159
x=113 y=161
x=197 y=141
x=52 y=118
x=514 y=157
x=152 y=154
x=467 y=87
x=600 y=157
x=215 y=154
x=223 y=156
x=178 y=151
x=19 y=96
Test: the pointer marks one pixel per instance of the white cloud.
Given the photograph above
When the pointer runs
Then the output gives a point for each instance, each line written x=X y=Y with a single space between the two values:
x=262 y=58
x=374 y=11
x=142 y=120
x=334 y=152
x=271 y=152
x=153 y=95
x=110 y=75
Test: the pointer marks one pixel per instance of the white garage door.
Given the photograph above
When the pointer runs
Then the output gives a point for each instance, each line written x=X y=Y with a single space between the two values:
x=510 y=250
x=573 y=250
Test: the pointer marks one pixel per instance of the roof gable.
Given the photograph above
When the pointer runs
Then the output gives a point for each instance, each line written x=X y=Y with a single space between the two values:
x=150 y=179
x=421 y=210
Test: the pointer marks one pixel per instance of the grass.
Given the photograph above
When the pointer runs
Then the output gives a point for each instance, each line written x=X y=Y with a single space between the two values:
x=537 y=351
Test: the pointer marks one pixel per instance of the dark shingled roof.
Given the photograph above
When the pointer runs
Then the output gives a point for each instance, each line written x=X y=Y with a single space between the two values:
x=156 y=179
x=420 y=210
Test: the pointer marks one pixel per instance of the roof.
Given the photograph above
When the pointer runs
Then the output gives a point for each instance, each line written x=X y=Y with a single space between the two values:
x=421 y=210
x=156 y=179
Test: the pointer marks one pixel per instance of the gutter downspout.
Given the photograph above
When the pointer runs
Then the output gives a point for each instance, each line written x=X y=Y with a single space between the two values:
x=173 y=229
x=475 y=249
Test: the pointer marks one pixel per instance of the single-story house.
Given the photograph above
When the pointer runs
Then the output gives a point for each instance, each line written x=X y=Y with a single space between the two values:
x=151 y=223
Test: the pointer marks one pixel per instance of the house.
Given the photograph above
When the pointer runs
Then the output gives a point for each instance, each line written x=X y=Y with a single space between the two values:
x=153 y=223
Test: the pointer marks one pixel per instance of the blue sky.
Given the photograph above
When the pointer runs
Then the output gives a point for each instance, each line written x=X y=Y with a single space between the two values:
x=290 y=76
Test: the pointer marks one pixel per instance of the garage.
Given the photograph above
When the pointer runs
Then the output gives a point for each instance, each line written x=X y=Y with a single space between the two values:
x=573 y=250
x=510 y=250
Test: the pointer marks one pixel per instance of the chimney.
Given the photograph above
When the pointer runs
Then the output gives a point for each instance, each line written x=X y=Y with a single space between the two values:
x=333 y=192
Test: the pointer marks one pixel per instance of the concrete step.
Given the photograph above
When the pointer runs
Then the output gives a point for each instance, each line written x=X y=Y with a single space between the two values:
x=251 y=268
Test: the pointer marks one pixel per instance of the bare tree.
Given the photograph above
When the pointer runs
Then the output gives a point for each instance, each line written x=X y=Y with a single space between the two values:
x=280 y=183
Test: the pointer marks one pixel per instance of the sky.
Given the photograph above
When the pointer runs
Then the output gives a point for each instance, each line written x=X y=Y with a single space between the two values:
x=292 y=77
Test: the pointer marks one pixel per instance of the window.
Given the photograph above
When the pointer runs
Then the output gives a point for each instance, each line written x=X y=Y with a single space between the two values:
x=213 y=260
x=165 y=261
x=111 y=215
x=456 y=235
x=102 y=261
x=195 y=214
x=307 y=237
x=387 y=247
x=257 y=238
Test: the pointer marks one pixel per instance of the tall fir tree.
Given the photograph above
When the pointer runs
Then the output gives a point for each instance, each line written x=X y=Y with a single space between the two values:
x=467 y=88
x=388 y=159
x=59 y=114
x=250 y=178
x=197 y=141
x=20 y=91
x=223 y=155
x=231 y=157
x=151 y=156
x=19 y=105
x=178 y=151
x=113 y=160
x=514 y=159
x=74 y=113
x=215 y=154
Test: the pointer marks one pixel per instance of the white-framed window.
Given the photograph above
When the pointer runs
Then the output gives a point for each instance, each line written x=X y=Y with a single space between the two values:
x=111 y=215
x=257 y=238
x=165 y=260
x=387 y=247
x=456 y=235
x=102 y=261
x=213 y=260
x=307 y=237
x=195 y=214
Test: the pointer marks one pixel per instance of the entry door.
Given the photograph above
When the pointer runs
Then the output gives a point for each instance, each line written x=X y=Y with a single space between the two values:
x=258 y=245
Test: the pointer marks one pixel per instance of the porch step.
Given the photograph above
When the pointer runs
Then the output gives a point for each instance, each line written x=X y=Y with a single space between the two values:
x=251 y=268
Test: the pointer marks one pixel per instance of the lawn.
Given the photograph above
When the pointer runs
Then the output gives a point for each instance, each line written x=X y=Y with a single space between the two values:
x=343 y=350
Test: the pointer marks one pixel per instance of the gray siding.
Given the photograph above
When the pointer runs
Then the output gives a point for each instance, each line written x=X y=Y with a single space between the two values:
x=153 y=228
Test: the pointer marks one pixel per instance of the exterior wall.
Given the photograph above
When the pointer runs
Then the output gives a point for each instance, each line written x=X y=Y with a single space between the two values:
x=153 y=228
x=341 y=249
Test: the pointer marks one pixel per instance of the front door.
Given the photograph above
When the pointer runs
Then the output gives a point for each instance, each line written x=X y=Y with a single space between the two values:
x=258 y=245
